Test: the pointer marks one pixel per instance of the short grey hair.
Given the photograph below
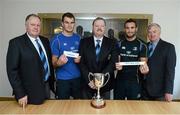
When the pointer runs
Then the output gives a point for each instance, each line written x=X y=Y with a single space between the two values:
x=31 y=15
x=154 y=25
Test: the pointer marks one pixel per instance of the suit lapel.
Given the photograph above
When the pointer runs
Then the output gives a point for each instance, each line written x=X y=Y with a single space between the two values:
x=103 y=48
x=31 y=46
x=157 y=49
x=92 y=49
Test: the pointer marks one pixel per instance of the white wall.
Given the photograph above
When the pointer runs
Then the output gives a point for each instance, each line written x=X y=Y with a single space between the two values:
x=165 y=12
x=1 y=73
x=5 y=89
x=177 y=42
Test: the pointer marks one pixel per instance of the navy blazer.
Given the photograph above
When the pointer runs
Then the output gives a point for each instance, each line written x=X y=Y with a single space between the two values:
x=25 y=69
x=107 y=59
x=160 y=79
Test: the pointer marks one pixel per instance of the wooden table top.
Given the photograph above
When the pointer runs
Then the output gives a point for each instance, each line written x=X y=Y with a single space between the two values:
x=84 y=107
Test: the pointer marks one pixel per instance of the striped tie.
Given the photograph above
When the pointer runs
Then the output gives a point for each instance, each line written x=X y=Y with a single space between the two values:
x=150 y=51
x=97 y=49
x=43 y=59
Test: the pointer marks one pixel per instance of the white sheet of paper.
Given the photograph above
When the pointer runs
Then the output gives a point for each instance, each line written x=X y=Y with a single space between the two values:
x=132 y=63
x=71 y=54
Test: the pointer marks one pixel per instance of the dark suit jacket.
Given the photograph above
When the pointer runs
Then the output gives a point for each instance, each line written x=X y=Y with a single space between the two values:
x=25 y=69
x=107 y=59
x=160 y=79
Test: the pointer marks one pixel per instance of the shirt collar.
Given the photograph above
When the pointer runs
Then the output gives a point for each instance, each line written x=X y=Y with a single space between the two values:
x=95 y=38
x=155 y=43
x=33 y=39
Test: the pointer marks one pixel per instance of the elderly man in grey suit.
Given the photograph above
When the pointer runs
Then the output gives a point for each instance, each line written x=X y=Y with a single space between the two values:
x=159 y=82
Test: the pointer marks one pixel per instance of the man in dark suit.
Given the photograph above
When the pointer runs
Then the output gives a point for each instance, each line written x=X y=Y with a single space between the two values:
x=30 y=77
x=102 y=62
x=159 y=82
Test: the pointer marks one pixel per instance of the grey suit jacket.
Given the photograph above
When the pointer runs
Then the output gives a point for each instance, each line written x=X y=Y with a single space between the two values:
x=160 y=79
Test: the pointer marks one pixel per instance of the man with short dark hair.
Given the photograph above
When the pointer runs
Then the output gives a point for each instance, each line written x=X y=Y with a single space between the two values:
x=66 y=66
x=131 y=49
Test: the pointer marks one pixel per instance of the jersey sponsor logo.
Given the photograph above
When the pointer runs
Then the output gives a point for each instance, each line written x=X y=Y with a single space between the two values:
x=128 y=55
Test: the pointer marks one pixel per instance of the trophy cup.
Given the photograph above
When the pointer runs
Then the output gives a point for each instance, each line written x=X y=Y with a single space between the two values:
x=98 y=79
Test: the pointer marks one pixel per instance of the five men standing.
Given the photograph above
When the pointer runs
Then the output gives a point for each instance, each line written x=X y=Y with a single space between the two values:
x=97 y=54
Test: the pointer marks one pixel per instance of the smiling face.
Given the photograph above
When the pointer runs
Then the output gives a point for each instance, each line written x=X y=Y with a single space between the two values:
x=33 y=26
x=99 y=28
x=130 y=30
x=154 y=33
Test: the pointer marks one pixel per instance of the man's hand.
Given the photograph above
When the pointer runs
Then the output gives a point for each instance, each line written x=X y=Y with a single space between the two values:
x=78 y=59
x=62 y=60
x=118 y=66
x=144 y=69
x=91 y=85
x=23 y=101
x=59 y=61
x=168 y=97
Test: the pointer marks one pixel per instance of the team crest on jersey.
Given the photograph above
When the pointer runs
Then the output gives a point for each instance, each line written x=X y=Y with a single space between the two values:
x=65 y=44
x=134 y=48
x=123 y=47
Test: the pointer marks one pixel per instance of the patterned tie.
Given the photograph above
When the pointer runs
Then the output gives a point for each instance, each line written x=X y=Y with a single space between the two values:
x=97 y=49
x=150 y=51
x=43 y=59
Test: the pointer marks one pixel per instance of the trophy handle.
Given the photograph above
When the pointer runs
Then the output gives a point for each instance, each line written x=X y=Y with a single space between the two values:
x=108 y=75
x=89 y=76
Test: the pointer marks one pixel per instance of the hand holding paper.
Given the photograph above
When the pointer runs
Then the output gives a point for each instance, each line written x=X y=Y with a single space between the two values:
x=77 y=60
x=144 y=69
x=132 y=63
x=71 y=54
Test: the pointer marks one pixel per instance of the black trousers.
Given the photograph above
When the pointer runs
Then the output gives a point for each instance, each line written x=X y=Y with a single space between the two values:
x=126 y=89
x=146 y=96
x=67 y=88
x=87 y=93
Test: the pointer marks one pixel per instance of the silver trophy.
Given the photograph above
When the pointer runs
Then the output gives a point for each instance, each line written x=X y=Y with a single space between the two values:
x=98 y=80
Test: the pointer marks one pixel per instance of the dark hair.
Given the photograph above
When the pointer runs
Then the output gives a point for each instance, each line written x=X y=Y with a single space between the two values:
x=32 y=15
x=99 y=18
x=129 y=21
x=79 y=29
x=69 y=15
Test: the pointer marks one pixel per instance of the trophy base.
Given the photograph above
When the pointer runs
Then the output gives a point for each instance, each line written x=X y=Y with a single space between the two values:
x=98 y=103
